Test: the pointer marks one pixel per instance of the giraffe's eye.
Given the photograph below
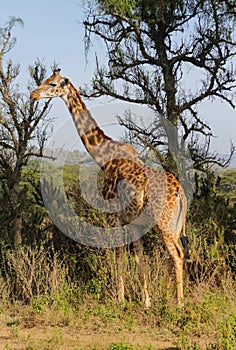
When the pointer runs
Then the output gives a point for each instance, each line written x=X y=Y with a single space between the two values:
x=52 y=84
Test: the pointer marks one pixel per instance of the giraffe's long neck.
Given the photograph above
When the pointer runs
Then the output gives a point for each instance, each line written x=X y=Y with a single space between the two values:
x=100 y=146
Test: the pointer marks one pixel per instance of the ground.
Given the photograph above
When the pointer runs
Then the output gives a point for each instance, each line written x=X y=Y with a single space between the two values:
x=19 y=338
x=23 y=329
x=94 y=325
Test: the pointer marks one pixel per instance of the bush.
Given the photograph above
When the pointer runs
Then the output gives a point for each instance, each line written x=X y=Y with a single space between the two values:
x=121 y=346
x=30 y=273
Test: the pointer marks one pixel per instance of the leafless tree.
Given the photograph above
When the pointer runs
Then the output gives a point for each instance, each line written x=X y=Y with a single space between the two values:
x=23 y=132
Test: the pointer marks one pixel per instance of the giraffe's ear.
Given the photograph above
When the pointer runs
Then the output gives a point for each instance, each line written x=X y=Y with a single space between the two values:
x=64 y=82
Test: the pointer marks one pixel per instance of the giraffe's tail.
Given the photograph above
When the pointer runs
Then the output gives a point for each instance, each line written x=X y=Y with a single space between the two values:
x=185 y=241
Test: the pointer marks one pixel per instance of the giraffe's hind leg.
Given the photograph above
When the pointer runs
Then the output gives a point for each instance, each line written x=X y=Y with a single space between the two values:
x=177 y=257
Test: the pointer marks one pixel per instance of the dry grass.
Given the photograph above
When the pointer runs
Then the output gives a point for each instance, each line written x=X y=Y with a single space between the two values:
x=41 y=308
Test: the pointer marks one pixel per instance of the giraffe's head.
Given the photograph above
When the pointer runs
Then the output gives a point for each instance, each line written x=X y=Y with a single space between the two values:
x=54 y=86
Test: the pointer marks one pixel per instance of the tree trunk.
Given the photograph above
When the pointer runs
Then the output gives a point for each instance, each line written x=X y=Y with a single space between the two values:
x=16 y=231
x=16 y=215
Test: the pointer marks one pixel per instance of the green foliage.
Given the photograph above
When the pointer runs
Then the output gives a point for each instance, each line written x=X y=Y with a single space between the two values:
x=39 y=304
x=226 y=336
x=228 y=333
x=211 y=227
x=208 y=316
x=94 y=287
x=149 y=11
x=227 y=185
x=120 y=7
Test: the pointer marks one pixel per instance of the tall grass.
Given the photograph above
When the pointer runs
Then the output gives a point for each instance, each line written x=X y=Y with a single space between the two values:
x=28 y=273
x=40 y=278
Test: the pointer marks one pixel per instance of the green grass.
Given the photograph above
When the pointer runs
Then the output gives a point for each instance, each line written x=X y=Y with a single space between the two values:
x=207 y=321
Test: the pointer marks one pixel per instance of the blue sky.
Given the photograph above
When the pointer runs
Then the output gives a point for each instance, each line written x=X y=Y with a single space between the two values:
x=53 y=31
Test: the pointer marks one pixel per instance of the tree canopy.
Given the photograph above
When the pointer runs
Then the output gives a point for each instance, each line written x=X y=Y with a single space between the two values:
x=169 y=55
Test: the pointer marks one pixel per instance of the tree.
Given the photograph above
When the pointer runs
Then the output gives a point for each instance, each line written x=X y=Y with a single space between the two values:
x=153 y=49
x=23 y=132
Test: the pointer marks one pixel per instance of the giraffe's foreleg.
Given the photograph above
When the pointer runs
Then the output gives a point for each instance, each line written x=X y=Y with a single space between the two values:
x=140 y=261
x=120 y=257
x=170 y=266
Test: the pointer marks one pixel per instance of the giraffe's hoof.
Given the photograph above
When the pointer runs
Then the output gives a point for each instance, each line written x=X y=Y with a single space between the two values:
x=180 y=303
x=148 y=303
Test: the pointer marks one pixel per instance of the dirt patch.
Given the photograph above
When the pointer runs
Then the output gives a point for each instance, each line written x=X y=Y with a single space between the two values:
x=15 y=337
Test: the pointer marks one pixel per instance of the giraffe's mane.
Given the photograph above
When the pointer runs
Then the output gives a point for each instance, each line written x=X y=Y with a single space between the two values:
x=79 y=97
x=100 y=131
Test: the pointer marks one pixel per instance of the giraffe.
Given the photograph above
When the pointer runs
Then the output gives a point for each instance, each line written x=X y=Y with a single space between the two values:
x=146 y=195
